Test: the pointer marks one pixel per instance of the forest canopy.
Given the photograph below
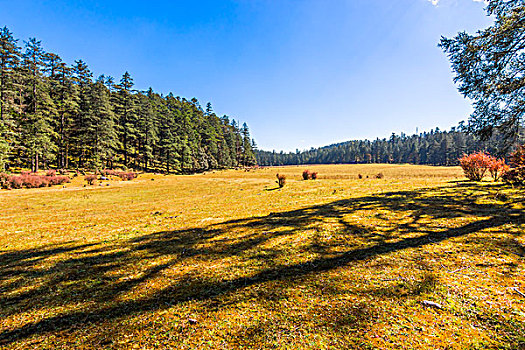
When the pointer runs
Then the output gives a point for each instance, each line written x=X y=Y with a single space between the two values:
x=57 y=115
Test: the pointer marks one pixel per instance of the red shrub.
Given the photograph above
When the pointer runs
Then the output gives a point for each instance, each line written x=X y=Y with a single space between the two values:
x=51 y=172
x=306 y=174
x=127 y=176
x=380 y=176
x=517 y=159
x=313 y=176
x=58 y=180
x=109 y=172
x=281 y=180
x=475 y=165
x=497 y=168
x=16 y=182
x=90 y=179
x=5 y=181
x=516 y=175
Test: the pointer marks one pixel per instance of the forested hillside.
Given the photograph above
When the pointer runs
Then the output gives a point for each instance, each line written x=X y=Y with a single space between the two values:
x=435 y=147
x=60 y=116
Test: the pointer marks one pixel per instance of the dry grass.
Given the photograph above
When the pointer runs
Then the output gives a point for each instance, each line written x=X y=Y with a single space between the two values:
x=225 y=260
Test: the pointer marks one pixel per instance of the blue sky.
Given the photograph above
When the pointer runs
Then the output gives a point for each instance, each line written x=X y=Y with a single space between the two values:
x=301 y=73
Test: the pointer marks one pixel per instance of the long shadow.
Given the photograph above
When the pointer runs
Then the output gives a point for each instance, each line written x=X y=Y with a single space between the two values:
x=32 y=280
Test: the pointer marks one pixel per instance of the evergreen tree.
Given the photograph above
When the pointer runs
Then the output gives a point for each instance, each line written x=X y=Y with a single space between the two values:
x=36 y=124
x=489 y=69
x=126 y=112
x=9 y=60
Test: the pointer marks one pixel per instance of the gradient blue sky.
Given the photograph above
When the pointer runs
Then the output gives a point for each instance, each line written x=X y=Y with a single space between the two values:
x=301 y=73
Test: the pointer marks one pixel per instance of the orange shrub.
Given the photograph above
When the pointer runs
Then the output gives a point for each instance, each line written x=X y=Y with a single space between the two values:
x=516 y=175
x=281 y=180
x=497 y=168
x=306 y=174
x=475 y=165
x=90 y=179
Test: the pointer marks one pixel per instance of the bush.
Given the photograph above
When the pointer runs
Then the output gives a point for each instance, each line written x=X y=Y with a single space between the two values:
x=475 y=165
x=281 y=180
x=58 y=180
x=30 y=180
x=127 y=176
x=109 y=172
x=51 y=172
x=517 y=159
x=16 y=182
x=90 y=179
x=306 y=174
x=497 y=168
x=5 y=181
x=516 y=175
x=380 y=176
x=359 y=176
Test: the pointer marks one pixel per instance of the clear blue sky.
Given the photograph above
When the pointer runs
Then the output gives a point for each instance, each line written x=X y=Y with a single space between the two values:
x=301 y=73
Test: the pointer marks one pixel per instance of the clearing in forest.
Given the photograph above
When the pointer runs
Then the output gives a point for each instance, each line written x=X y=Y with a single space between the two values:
x=226 y=260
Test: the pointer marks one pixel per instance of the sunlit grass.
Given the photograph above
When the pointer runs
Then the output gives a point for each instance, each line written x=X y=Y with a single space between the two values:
x=227 y=260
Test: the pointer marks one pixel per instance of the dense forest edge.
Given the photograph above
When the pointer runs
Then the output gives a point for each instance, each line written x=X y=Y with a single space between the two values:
x=431 y=148
x=53 y=115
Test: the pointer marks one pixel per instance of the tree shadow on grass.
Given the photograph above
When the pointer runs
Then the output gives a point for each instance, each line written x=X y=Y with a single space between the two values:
x=91 y=281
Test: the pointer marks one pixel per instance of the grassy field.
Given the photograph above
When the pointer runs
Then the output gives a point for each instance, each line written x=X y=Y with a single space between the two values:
x=225 y=260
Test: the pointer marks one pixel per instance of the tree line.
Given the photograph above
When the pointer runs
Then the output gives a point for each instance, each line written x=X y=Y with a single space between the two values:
x=435 y=148
x=55 y=115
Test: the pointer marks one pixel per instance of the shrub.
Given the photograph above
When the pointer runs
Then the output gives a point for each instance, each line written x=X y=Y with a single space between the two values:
x=475 y=165
x=51 y=172
x=127 y=176
x=5 y=181
x=281 y=180
x=306 y=174
x=16 y=182
x=517 y=159
x=58 y=180
x=359 y=176
x=30 y=180
x=516 y=175
x=313 y=176
x=109 y=172
x=380 y=176
x=90 y=179
x=497 y=168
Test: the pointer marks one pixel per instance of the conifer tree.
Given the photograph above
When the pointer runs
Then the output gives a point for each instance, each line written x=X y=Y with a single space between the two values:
x=36 y=124
x=9 y=60
x=102 y=139
x=126 y=113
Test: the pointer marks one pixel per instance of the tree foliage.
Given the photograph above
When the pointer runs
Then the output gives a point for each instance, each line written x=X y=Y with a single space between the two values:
x=489 y=69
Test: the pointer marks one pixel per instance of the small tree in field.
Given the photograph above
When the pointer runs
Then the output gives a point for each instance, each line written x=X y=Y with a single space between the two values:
x=475 y=165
